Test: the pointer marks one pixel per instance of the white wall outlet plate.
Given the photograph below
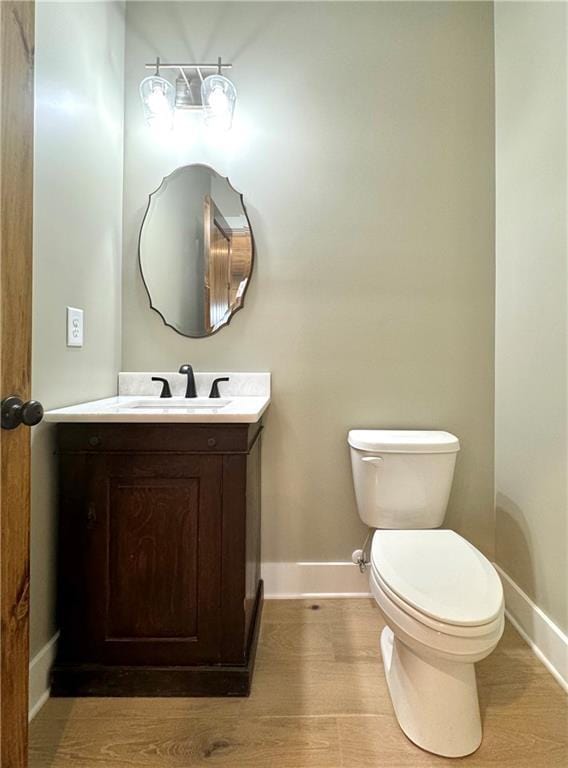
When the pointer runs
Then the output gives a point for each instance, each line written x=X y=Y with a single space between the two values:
x=74 y=327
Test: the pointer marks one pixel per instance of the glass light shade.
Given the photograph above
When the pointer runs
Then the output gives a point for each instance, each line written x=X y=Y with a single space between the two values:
x=218 y=96
x=158 y=99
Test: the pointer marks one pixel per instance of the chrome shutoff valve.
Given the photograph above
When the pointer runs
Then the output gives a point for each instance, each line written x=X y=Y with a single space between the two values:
x=362 y=557
x=358 y=557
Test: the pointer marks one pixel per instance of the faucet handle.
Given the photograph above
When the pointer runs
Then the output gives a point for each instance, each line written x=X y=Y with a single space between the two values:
x=166 y=391
x=215 y=386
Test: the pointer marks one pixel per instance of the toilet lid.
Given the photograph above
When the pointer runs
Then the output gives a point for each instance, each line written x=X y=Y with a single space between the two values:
x=440 y=574
x=403 y=441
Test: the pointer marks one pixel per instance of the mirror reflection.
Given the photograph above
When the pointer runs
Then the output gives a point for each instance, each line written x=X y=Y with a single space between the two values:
x=196 y=250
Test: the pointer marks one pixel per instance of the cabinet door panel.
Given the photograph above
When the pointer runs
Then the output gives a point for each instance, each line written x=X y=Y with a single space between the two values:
x=156 y=547
x=152 y=560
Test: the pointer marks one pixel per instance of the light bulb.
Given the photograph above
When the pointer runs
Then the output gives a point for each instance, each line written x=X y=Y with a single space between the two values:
x=158 y=97
x=157 y=102
x=218 y=102
x=218 y=96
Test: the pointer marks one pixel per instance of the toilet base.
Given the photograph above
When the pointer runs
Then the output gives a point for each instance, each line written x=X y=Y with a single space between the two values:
x=435 y=701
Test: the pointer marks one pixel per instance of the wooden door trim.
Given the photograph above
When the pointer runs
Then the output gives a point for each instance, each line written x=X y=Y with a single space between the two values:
x=16 y=202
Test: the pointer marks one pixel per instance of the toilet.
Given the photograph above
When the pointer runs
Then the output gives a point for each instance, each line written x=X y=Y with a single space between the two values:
x=441 y=599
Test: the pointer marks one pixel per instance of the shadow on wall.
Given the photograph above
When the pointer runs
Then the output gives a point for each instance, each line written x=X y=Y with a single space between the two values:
x=511 y=536
x=174 y=20
x=43 y=537
x=506 y=664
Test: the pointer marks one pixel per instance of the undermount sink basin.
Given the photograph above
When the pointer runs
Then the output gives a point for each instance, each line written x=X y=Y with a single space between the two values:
x=179 y=402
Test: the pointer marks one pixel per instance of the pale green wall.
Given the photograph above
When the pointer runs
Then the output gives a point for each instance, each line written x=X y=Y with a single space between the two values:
x=364 y=146
x=77 y=243
x=531 y=319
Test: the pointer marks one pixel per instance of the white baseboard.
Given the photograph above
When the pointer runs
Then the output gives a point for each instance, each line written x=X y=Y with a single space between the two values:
x=40 y=666
x=296 y=580
x=546 y=640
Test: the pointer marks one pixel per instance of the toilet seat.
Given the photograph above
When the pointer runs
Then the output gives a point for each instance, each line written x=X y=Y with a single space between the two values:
x=439 y=579
x=479 y=632
x=468 y=644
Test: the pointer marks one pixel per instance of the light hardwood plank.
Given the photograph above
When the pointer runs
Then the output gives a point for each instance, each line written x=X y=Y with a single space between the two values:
x=318 y=688
x=284 y=642
x=361 y=608
x=305 y=711
x=377 y=741
x=188 y=743
x=356 y=637
x=130 y=709
x=301 y=611
x=508 y=742
x=331 y=610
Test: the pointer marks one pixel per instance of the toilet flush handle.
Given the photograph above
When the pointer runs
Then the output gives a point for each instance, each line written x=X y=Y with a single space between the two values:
x=375 y=460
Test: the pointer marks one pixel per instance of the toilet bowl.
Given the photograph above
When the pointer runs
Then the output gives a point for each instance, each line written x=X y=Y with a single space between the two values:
x=443 y=605
x=441 y=599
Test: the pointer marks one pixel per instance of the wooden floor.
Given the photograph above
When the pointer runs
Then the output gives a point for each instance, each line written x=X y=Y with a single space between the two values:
x=319 y=701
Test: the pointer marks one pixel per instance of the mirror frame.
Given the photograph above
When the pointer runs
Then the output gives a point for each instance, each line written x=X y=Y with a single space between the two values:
x=162 y=184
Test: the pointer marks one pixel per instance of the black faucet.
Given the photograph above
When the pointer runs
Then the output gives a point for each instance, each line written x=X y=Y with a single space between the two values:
x=190 y=390
x=166 y=391
x=215 y=386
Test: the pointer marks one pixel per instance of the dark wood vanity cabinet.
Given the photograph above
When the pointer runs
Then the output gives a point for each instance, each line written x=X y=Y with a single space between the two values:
x=159 y=590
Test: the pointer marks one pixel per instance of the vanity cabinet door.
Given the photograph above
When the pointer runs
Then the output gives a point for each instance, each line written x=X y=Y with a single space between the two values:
x=154 y=559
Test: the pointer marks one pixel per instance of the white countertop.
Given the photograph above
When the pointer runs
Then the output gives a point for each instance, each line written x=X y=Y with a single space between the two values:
x=243 y=410
x=142 y=404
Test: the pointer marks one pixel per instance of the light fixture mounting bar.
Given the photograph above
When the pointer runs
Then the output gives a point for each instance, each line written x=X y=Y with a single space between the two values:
x=188 y=66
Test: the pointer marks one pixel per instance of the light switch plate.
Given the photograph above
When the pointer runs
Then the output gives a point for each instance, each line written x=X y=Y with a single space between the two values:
x=74 y=327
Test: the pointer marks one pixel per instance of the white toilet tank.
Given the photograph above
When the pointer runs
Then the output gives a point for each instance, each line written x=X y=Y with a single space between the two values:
x=402 y=478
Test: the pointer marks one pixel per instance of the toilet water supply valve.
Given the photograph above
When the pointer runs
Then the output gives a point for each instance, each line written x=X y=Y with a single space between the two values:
x=361 y=557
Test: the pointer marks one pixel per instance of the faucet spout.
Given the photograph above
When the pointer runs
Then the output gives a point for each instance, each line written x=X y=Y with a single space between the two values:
x=190 y=390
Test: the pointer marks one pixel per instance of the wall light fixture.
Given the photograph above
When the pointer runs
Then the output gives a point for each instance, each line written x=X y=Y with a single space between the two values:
x=213 y=94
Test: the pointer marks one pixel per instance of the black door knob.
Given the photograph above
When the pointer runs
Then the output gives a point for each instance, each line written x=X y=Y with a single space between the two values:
x=16 y=412
x=32 y=413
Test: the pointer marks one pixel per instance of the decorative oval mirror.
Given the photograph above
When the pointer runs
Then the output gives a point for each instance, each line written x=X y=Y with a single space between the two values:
x=196 y=250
